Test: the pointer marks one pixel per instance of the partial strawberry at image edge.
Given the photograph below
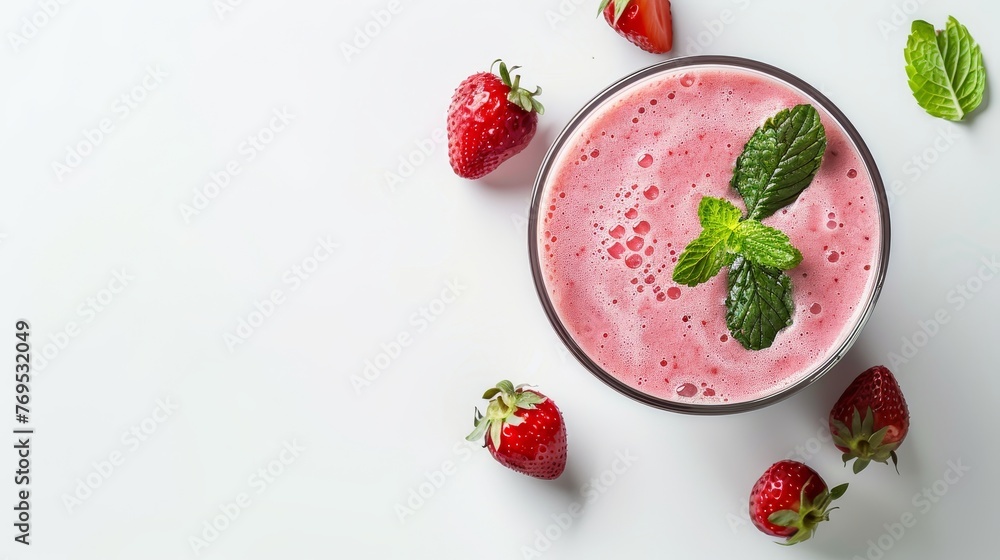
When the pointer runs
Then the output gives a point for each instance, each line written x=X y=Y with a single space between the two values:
x=647 y=24
x=524 y=431
x=790 y=500
x=490 y=120
x=870 y=419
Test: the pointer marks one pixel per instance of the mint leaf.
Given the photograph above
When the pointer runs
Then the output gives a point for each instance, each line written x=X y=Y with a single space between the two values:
x=704 y=257
x=716 y=213
x=759 y=303
x=764 y=245
x=780 y=160
x=945 y=70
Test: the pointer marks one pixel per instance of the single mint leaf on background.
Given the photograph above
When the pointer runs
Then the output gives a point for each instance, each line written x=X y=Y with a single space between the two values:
x=704 y=257
x=945 y=70
x=780 y=160
x=764 y=245
x=759 y=303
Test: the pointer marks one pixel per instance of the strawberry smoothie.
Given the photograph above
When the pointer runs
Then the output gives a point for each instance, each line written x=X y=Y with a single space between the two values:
x=619 y=203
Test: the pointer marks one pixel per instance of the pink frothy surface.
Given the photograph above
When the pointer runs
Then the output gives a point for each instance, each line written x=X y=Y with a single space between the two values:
x=620 y=204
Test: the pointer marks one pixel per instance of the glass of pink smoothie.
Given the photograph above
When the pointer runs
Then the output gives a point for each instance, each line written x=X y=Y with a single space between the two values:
x=616 y=202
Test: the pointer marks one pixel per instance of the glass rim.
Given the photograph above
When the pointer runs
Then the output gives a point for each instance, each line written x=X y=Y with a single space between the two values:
x=614 y=89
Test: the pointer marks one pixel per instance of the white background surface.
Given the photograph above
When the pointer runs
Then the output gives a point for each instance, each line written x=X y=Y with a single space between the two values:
x=362 y=453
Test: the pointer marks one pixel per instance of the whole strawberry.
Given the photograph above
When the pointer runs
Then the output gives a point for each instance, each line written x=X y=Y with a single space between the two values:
x=647 y=24
x=870 y=420
x=525 y=431
x=790 y=500
x=490 y=120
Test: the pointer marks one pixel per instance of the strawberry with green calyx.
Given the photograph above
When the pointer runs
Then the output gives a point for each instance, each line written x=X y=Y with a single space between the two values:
x=871 y=419
x=647 y=24
x=524 y=431
x=491 y=119
x=790 y=500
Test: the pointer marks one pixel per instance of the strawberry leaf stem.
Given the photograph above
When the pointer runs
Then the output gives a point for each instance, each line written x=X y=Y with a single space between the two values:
x=505 y=401
x=809 y=515
x=862 y=444
x=519 y=96
x=620 y=6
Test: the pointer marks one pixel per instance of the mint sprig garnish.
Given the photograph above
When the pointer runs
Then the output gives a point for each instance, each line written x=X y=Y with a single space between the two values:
x=780 y=160
x=945 y=69
x=777 y=164
x=704 y=257
x=725 y=235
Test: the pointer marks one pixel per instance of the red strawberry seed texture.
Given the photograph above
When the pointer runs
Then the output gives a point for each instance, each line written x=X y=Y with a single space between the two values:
x=647 y=24
x=789 y=500
x=524 y=431
x=870 y=419
x=538 y=447
x=490 y=120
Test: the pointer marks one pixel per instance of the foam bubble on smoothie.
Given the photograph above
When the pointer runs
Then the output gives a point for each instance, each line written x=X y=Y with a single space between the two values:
x=687 y=390
x=610 y=274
